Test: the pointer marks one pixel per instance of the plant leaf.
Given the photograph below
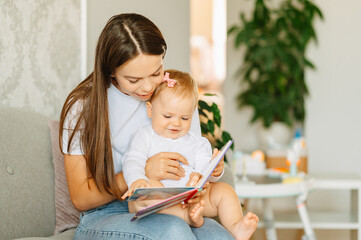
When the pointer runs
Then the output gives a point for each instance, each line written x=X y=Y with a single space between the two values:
x=210 y=127
x=203 y=105
x=216 y=115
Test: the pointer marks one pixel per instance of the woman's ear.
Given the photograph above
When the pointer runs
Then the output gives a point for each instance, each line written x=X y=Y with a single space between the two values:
x=149 y=109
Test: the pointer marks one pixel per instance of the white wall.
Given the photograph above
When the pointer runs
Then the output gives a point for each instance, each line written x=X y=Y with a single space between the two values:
x=171 y=17
x=237 y=121
x=333 y=124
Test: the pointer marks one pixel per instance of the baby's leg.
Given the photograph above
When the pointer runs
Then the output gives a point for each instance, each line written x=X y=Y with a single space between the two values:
x=135 y=206
x=222 y=201
x=193 y=215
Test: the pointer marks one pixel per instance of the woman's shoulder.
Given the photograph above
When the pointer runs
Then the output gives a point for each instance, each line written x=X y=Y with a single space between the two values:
x=77 y=107
x=74 y=112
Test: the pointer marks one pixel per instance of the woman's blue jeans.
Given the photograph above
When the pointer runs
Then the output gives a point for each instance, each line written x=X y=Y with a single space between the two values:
x=112 y=221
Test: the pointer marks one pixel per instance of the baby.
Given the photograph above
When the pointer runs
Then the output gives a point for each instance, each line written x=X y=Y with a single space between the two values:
x=171 y=109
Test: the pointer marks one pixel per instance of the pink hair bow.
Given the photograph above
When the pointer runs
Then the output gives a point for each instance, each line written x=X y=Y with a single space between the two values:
x=171 y=82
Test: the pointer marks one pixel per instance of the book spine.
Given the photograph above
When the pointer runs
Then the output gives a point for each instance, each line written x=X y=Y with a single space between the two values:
x=192 y=195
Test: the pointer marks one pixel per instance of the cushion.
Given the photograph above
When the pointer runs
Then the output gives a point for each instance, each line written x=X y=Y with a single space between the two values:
x=26 y=175
x=66 y=216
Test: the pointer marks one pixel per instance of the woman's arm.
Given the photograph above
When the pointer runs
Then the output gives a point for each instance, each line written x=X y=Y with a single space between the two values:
x=83 y=191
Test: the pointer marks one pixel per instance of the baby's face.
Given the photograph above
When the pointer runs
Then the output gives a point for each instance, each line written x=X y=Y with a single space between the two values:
x=171 y=115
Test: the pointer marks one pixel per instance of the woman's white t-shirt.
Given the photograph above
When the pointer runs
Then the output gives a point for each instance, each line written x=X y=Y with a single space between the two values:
x=126 y=115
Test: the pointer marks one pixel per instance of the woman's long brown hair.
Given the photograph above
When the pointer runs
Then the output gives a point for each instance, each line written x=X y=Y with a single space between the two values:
x=124 y=37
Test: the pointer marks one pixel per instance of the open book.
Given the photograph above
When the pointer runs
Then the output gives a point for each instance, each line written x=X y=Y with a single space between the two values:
x=174 y=195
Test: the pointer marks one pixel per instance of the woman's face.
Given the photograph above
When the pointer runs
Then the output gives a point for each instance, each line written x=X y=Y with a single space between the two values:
x=139 y=76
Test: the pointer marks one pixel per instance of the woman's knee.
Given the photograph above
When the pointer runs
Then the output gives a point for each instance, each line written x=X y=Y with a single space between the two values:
x=153 y=227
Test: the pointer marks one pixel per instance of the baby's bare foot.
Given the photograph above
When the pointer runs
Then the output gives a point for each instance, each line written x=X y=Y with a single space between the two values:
x=195 y=214
x=244 y=229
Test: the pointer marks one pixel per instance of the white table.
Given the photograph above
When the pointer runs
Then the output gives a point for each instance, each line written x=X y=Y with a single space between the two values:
x=267 y=188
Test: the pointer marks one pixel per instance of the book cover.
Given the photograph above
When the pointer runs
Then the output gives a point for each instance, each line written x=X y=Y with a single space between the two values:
x=174 y=195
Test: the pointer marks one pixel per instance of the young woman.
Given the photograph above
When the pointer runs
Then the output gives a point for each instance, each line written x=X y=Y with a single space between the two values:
x=99 y=118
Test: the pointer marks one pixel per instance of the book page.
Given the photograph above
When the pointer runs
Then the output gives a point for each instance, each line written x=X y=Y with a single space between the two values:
x=213 y=164
x=157 y=193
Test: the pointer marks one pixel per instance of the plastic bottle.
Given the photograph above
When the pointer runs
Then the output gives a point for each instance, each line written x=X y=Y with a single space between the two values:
x=297 y=146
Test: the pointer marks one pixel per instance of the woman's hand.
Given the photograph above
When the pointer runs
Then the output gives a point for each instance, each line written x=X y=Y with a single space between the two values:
x=165 y=165
x=219 y=169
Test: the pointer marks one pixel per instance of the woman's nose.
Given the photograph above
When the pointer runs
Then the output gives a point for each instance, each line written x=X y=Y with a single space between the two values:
x=148 y=85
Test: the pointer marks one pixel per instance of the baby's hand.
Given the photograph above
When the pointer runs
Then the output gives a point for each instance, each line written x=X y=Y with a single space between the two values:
x=193 y=179
x=219 y=169
x=140 y=183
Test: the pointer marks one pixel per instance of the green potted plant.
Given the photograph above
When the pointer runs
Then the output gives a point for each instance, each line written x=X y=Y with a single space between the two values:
x=210 y=118
x=273 y=67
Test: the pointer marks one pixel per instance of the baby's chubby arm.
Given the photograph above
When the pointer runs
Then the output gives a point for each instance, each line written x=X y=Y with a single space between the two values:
x=135 y=158
x=204 y=155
